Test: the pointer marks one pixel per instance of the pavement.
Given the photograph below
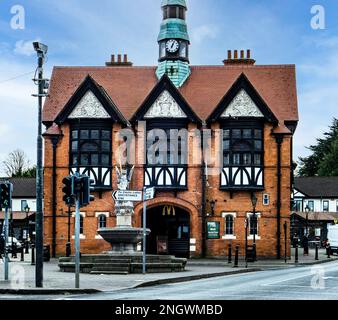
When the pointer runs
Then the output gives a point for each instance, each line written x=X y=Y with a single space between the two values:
x=22 y=275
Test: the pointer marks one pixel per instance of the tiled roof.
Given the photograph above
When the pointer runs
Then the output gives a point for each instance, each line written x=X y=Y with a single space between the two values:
x=318 y=216
x=128 y=87
x=22 y=187
x=17 y=215
x=318 y=187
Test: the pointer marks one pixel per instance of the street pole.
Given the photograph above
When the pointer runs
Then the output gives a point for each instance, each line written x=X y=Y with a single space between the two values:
x=285 y=242
x=77 y=245
x=246 y=242
x=6 y=240
x=144 y=256
x=39 y=178
x=68 y=246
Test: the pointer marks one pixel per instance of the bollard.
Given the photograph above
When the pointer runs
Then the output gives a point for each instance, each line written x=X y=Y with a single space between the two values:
x=230 y=254
x=14 y=250
x=316 y=256
x=33 y=256
x=296 y=254
x=68 y=249
x=22 y=254
x=26 y=247
x=236 y=256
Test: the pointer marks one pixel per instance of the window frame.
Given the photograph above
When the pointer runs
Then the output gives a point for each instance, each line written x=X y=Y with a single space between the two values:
x=23 y=207
x=233 y=126
x=328 y=205
x=251 y=235
x=99 y=221
x=91 y=127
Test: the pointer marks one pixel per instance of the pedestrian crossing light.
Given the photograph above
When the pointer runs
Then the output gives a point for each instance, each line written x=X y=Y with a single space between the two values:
x=68 y=191
x=5 y=195
x=87 y=188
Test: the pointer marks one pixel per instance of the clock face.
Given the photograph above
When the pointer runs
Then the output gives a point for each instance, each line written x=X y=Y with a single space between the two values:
x=172 y=45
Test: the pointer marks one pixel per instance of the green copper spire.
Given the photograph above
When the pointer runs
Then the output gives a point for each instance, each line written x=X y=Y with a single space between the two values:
x=174 y=42
x=174 y=3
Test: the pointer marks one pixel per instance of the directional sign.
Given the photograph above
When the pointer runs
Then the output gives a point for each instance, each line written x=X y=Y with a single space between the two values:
x=150 y=193
x=127 y=195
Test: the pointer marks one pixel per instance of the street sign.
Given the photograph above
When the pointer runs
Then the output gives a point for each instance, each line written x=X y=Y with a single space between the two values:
x=127 y=195
x=150 y=193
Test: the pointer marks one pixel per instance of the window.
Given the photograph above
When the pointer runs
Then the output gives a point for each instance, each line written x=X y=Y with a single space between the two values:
x=91 y=147
x=245 y=146
x=229 y=225
x=326 y=206
x=172 y=151
x=298 y=205
x=253 y=224
x=102 y=221
x=183 y=50
x=243 y=152
x=311 y=205
x=337 y=205
x=24 y=204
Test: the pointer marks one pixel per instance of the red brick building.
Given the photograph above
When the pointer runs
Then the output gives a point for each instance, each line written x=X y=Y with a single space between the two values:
x=201 y=206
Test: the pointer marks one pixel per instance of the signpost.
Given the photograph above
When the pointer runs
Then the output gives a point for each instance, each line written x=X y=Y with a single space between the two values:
x=127 y=195
x=213 y=228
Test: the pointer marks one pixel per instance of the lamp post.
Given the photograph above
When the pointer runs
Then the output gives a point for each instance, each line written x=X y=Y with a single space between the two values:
x=254 y=218
x=42 y=83
x=307 y=210
x=27 y=209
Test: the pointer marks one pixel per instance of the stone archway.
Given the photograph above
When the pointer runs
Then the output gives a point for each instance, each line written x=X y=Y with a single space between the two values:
x=179 y=229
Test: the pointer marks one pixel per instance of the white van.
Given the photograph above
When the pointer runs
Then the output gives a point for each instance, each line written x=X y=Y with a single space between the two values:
x=332 y=236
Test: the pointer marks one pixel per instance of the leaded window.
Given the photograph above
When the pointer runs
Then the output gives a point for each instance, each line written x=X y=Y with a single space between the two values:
x=91 y=152
x=229 y=225
x=243 y=156
x=102 y=221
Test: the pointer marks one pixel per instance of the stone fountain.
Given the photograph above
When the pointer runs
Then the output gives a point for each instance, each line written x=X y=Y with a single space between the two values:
x=123 y=258
x=123 y=238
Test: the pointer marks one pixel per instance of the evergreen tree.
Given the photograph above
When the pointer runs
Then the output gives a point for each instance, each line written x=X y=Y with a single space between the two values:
x=323 y=160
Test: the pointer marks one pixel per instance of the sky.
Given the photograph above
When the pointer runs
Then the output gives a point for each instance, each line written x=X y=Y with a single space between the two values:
x=86 y=32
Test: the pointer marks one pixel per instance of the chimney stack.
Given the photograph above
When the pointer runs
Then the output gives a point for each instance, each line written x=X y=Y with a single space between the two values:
x=119 y=62
x=235 y=60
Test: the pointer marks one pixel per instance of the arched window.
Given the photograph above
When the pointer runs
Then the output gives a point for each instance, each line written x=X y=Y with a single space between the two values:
x=229 y=225
x=102 y=221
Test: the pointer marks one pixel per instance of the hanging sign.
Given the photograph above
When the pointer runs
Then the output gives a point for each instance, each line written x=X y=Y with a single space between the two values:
x=213 y=229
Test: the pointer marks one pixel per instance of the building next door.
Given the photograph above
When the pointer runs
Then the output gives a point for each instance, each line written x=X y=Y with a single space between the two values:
x=169 y=225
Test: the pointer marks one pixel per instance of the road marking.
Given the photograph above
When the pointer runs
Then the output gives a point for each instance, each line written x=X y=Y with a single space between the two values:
x=288 y=279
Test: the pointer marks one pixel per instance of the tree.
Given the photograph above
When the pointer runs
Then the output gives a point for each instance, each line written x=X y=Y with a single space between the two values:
x=17 y=165
x=322 y=160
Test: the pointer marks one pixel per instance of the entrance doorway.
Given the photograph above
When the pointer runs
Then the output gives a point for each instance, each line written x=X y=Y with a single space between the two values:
x=170 y=231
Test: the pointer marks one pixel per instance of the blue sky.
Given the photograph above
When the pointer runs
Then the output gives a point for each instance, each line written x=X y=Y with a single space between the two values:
x=85 y=32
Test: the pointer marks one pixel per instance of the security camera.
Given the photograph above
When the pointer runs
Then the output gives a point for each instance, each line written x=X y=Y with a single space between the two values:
x=40 y=48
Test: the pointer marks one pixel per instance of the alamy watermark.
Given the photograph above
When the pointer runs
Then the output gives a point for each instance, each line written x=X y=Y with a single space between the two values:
x=318 y=280
x=18 y=20
x=318 y=19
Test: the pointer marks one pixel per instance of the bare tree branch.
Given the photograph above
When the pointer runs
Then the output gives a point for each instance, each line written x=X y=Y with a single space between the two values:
x=16 y=163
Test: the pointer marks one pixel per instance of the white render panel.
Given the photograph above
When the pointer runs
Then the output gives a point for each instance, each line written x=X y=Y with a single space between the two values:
x=242 y=106
x=89 y=107
x=165 y=106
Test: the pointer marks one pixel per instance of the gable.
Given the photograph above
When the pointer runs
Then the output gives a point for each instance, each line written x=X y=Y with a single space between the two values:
x=165 y=102
x=242 y=106
x=242 y=101
x=90 y=101
x=165 y=106
x=89 y=107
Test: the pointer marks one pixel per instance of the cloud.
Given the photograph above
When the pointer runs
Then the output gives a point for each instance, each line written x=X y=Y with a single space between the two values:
x=203 y=32
x=25 y=47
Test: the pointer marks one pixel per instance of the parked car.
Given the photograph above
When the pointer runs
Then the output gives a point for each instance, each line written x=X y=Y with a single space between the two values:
x=332 y=238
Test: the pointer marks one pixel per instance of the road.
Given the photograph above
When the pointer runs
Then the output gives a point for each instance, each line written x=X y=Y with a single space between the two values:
x=319 y=282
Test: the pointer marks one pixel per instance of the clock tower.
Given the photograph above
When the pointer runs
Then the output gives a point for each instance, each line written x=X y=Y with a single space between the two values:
x=174 y=43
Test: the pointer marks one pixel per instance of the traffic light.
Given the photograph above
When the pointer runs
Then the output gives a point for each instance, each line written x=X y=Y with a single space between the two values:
x=68 y=191
x=5 y=195
x=86 y=190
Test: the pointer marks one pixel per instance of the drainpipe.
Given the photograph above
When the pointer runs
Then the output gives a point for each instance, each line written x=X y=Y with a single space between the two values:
x=55 y=141
x=204 y=185
x=279 y=141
